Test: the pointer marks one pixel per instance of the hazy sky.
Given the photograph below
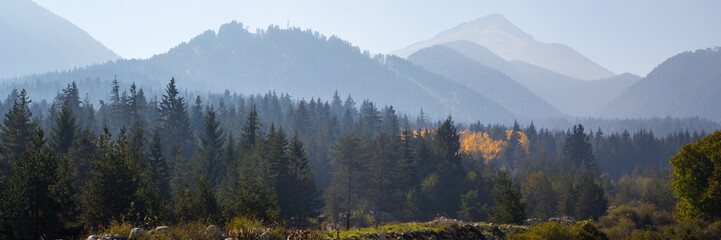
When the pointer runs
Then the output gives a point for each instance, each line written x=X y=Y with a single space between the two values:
x=623 y=36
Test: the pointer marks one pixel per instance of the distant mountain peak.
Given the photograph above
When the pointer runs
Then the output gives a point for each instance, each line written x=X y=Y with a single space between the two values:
x=506 y=40
x=36 y=40
x=493 y=22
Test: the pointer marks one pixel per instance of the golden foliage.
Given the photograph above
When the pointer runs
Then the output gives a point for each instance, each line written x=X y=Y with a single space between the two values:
x=475 y=143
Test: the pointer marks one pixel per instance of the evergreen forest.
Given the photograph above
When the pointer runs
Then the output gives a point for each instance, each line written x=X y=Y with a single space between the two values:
x=309 y=169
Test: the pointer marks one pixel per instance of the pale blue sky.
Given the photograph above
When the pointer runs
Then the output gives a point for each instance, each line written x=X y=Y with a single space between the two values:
x=624 y=36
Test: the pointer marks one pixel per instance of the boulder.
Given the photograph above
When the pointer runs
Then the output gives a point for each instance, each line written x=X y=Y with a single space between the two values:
x=163 y=230
x=136 y=233
x=212 y=229
x=93 y=237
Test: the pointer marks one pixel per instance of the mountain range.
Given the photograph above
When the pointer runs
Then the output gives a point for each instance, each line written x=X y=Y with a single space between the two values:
x=506 y=40
x=35 y=40
x=572 y=96
x=684 y=85
x=487 y=81
x=301 y=63
x=451 y=74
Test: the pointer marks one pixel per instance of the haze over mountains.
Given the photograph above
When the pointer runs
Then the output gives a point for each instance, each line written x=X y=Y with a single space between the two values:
x=511 y=43
x=35 y=40
x=486 y=70
x=685 y=85
x=572 y=96
x=488 y=81
x=303 y=64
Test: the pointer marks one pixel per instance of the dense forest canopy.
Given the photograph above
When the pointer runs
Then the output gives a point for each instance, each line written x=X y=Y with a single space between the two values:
x=175 y=157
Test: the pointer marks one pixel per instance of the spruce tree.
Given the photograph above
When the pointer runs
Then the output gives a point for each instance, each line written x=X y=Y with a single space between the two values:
x=16 y=131
x=384 y=191
x=82 y=154
x=446 y=148
x=471 y=207
x=197 y=116
x=250 y=199
x=174 y=121
x=301 y=119
x=111 y=190
x=592 y=201
x=251 y=129
x=577 y=153
x=210 y=148
x=64 y=195
x=65 y=130
x=158 y=165
x=305 y=195
x=347 y=185
x=31 y=191
x=509 y=209
x=280 y=168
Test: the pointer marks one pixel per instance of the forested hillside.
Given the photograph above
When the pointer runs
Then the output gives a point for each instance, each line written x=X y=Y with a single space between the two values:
x=35 y=40
x=304 y=64
x=684 y=85
x=576 y=97
x=488 y=81
x=216 y=158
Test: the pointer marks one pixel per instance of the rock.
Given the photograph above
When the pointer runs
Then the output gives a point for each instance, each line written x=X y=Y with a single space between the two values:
x=212 y=229
x=163 y=230
x=135 y=233
x=353 y=237
x=93 y=237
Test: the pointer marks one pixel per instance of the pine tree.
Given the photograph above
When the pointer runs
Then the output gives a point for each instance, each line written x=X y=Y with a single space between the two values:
x=446 y=148
x=203 y=202
x=158 y=165
x=577 y=153
x=592 y=201
x=384 y=189
x=301 y=119
x=279 y=167
x=32 y=181
x=116 y=104
x=250 y=199
x=174 y=121
x=305 y=196
x=64 y=195
x=251 y=129
x=64 y=131
x=370 y=119
x=197 y=117
x=509 y=209
x=16 y=131
x=514 y=153
x=471 y=208
x=346 y=187
x=82 y=154
x=111 y=190
x=134 y=106
x=391 y=126
x=210 y=148
x=539 y=196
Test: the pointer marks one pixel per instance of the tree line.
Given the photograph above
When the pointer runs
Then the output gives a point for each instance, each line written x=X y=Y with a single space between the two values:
x=71 y=168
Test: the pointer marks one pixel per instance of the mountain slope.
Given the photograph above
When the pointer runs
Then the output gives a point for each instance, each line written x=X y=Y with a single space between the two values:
x=487 y=81
x=36 y=40
x=571 y=96
x=300 y=63
x=685 y=85
x=508 y=41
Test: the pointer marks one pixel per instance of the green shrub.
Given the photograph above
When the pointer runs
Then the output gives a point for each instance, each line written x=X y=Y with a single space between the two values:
x=556 y=230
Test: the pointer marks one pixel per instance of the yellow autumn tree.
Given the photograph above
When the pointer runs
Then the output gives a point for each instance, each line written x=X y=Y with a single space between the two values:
x=481 y=144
